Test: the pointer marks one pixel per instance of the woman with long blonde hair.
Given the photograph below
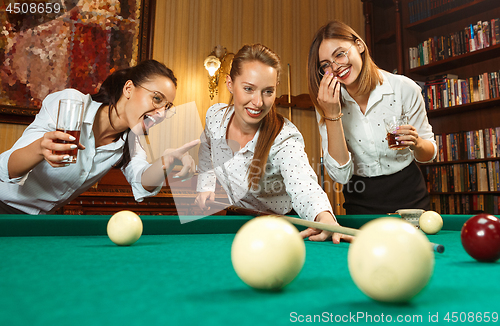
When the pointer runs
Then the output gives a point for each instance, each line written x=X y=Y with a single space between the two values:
x=255 y=153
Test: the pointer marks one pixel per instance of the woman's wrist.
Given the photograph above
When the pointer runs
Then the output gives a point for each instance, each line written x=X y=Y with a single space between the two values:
x=418 y=145
x=336 y=118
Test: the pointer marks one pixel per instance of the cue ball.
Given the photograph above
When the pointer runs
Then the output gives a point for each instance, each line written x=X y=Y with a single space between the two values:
x=481 y=237
x=124 y=228
x=390 y=260
x=268 y=253
x=430 y=222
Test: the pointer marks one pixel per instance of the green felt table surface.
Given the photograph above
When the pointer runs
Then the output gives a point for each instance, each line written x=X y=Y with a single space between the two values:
x=64 y=270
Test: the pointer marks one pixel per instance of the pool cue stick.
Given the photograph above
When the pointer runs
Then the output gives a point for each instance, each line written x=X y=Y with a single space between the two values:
x=298 y=221
x=150 y=150
x=148 y=143
x=322 y=168
x=289 y=95
x=437 y=247
x=293 y=220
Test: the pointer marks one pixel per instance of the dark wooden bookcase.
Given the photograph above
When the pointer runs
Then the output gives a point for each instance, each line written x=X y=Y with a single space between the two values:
x=466 y=117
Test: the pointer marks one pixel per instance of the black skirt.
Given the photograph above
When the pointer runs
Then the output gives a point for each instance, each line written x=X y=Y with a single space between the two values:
x=387 y=193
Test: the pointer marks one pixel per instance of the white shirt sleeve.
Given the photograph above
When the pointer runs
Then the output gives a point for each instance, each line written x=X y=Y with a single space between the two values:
x=207 y=178
x=136 y=167
x=339 y=173
x=415 y=105
x=365 y=134
x=308 y=199
x=206 y=174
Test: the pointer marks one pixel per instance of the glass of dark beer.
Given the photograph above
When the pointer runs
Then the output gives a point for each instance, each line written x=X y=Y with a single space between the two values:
x=391 y=125
x=69 y=121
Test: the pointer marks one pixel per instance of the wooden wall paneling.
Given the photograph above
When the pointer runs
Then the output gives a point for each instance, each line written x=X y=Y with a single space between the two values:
x=186 y=31
x=285 y=26
x=9 y=134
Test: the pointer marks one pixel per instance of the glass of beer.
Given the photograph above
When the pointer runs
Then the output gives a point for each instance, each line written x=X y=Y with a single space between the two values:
x=69 y=121
x=391 y=125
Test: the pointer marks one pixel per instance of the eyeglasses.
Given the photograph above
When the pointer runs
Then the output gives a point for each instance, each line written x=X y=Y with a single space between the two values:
x=339 y=58
x=160 y=101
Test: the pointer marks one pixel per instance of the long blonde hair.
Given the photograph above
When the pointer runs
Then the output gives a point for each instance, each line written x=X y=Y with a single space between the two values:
x=272 y=123
x=369 y=76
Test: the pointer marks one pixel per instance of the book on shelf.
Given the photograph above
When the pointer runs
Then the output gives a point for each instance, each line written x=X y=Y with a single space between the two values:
x=468 y=145
x=483 y=177
x=449 y=90
x=422 y=9
x=463 y=177
x=466 y=204
x=491 y=175
x=476 y=36
x=495 y=30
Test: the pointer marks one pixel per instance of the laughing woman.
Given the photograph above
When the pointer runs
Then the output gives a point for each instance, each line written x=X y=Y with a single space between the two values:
x=353 y=96
x=257 y=155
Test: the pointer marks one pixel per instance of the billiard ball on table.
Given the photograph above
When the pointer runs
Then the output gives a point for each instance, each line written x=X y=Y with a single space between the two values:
x=430 y=222
x=480 y=237
x=390 y=260
x=124 y=228
x=267 y=253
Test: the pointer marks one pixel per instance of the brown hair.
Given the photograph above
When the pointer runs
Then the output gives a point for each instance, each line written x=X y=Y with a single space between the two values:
x=272 y=123
x=369 y=76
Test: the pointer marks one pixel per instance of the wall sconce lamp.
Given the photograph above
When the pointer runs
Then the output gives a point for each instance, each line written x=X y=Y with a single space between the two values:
x=213 y=64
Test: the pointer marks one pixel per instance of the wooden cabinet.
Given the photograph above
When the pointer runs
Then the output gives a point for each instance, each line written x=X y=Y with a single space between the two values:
x=437 y=23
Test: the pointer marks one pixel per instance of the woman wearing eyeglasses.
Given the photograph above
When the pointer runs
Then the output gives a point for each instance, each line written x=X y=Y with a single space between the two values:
x=353 y=97
x=34 y=180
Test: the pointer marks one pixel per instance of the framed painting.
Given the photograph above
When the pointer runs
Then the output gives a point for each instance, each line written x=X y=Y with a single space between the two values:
x=50 y=45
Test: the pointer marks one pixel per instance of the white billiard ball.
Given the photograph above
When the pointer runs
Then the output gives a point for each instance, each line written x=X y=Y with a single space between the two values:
x=124 y=228
x=390 y=260
x=268 y=253
x=430 y=222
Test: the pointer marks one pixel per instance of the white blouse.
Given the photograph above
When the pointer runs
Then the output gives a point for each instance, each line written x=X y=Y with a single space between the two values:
x=44 y=188
x=288 y=182
x=369 y=154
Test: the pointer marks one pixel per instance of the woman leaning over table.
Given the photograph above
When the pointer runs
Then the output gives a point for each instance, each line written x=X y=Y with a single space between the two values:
x=35 y=180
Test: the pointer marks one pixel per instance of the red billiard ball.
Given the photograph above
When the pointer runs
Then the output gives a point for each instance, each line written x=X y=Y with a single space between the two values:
x=481 y=237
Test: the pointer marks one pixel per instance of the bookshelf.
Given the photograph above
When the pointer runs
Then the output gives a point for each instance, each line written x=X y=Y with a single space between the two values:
x=458 y=184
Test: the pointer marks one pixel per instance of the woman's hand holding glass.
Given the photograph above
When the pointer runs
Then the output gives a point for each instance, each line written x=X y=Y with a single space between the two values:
x=407 y=135
x=423 y=149
x=49 y=145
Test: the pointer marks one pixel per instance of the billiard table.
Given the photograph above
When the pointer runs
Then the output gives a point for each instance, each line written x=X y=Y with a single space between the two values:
x=64 y=270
